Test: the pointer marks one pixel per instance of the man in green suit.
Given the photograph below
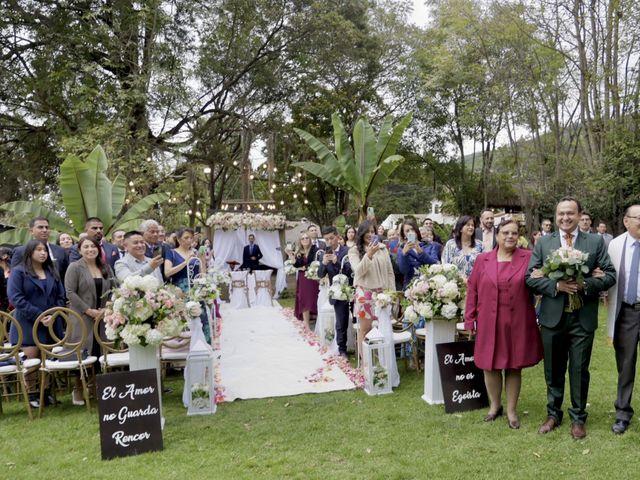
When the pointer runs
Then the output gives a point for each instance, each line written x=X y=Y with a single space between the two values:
x=568 y=336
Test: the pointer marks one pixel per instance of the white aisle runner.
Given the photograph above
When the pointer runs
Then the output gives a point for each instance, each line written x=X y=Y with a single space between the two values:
x=263 y=355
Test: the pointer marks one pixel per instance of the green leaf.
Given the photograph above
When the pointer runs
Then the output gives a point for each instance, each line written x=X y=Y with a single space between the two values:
x=34 y=209
x=323 y=153
x=384 y=171
x=73 y=174
x=584 y=269
x=319 y=170
x=556 y=275
x=344 y=154
x=101 y=185
x=388 y=145
x=17 y=236
x=118 y=194
x=135 y=211
x=364 y=146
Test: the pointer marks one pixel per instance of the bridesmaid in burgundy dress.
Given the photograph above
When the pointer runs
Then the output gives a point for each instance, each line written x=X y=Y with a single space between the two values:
x=306 y=289
x=500 y=309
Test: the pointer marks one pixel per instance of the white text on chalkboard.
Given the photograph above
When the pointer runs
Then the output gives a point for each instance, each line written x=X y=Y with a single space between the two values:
x=124 y=440
x=459 y=398
x=460 y=360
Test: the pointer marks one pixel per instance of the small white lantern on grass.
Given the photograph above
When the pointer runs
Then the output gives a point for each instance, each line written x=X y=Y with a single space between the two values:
x=200 y=380
x=376 y=362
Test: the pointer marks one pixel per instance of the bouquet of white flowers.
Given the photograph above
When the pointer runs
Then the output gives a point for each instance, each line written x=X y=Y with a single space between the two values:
x=438 y=290
x=384 y=299
x=312 y=270
x=142 y=311
x=203 y=289
x=289 y=269
x=567 y=263
x=340 y=288
x=219 y=277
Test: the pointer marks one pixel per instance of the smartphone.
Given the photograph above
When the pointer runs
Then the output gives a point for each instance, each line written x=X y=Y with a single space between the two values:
x=374 y=239
x=157 y=250
x=370 y=212
x=411 y=237
x=328 y=251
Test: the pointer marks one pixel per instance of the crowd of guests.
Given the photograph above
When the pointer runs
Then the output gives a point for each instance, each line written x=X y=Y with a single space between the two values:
x=502 y=266
x=41 y=275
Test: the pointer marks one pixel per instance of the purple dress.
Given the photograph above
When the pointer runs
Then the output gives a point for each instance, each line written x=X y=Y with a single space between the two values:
x=306 y=290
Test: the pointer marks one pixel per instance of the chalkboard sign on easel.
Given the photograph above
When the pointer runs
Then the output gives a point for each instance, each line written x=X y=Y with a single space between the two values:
x=462 y=382
x=129 y=412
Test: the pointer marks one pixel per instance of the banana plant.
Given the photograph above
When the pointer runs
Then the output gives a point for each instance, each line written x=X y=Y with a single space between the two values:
x=360 y=169
x=86 y=192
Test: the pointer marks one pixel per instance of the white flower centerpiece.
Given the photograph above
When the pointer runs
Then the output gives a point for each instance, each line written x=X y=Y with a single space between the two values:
x=289 y=268
x=204 y=289
x=437 y=292
x=143 y=311
x=219 y=277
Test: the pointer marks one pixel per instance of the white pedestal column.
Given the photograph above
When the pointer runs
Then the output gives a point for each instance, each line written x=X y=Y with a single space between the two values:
x=144 y=358
x=437 y=331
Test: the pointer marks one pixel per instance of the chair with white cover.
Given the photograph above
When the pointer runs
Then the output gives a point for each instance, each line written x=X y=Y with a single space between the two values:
x=12 y=365
x=263 y=288
x=239 y=298
x=64 y=354
x=112 y=356
x=174 y=350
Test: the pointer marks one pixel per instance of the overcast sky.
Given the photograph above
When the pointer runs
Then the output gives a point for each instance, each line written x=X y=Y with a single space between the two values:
x=419 y=16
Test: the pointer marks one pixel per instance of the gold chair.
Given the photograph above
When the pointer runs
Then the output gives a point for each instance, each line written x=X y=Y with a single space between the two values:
x=11 y=363
x=63 y=355
x=174 y=350
x=112 y=357
x=404 y=334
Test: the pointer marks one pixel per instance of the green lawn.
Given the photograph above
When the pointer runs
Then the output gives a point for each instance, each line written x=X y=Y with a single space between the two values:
x=337 y=435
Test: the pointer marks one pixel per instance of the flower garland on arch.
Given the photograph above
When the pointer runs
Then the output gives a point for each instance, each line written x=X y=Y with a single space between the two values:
x=250 y=221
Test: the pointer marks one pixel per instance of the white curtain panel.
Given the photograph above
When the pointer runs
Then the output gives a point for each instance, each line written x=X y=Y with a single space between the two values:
x=228 y=245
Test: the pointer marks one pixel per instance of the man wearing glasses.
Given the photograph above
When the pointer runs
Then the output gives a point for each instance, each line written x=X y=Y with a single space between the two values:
x=624 y=313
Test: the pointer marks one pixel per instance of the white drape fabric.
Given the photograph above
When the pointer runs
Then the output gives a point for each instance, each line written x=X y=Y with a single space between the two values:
x=238 y=290
x=228 y=245
x=263 y=288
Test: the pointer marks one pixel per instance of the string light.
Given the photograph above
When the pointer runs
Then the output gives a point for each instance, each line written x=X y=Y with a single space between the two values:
x=251 y=177
x=299 y=174
x=295 y=195
x=131 y=183
x=306 y=201
x=281 y=202
x=275 y=169
x=207 y=170
x=304 y=188
x=235 y=163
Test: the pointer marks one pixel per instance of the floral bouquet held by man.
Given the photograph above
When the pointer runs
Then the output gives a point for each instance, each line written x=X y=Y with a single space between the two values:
x=567 y=264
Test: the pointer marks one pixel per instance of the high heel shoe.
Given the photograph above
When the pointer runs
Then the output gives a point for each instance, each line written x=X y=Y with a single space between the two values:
x=492 y=416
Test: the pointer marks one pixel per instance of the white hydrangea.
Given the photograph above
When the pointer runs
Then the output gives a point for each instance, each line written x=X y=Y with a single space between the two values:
x=425 y=310
x=449 y=310
x=117 y=304
x=340 y=279
x=154 y=337
x=133 y=282
x=449 y=267
x=410 y=315
x=435 y=268
x=110 y=332
x=450 y=290
x=144 y=313
x=149 y=282
x=438 y=280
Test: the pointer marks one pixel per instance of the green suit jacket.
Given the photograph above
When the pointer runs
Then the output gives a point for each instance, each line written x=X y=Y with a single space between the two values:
x=553 y=302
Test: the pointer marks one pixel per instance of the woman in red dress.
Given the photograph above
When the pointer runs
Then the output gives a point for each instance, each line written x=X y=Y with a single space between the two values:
x=500 y=310
x=306 y=289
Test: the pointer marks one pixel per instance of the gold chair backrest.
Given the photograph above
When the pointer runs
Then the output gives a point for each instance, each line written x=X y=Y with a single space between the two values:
x=71 y=320
x=8 y=351
x=107 y=346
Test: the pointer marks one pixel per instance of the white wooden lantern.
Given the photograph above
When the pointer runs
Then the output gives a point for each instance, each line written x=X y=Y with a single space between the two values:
x=375 y=350
x=200 y=379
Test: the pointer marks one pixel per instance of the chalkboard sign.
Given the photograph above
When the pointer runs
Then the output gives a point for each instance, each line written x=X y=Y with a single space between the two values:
x=462 y=382
x=129 y=409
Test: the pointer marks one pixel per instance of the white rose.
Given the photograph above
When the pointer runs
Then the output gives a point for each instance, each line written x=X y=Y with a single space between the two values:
x=193 y=309
x=435 y=268
x=117 y=305
x=153 y=337
x=438 y=280
x=149 y=282
x=133 y=282
x=410 y=314
x=425 y=310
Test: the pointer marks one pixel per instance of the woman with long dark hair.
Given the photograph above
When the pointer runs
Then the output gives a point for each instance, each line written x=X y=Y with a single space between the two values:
x=350 y=236
x=413 y=252
x=88 y=283
x=463 y=249
x=35 y=286
x=373 y=272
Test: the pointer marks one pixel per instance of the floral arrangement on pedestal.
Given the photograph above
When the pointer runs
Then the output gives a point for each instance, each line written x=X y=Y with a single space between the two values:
x=385 y=299
x=567 y=263
x=340 y=288
x=249 y=221
x=142 y=311
x=312 y=270
x=437 y=291
x=219 y=277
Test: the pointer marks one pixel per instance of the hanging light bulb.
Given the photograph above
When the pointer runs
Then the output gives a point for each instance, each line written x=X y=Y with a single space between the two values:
x=299 y=174
x=295 y=195
x=275 y=169
x=304 y=188
x=306 y=201
x=131 y=183
x=235 y=163
x=281 y=202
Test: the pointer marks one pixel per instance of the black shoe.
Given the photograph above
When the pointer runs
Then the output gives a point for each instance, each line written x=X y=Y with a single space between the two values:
x=492 y=416
x=620 y=426
x=49 y=400
x=35 y=404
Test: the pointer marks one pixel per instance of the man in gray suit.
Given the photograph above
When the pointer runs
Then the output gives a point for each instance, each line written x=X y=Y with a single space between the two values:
x=602 y=231
x=135 y=262
x=623 y=320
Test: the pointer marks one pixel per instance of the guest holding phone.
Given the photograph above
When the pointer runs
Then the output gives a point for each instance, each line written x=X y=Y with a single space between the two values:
x=413 y=253
x=373 y=273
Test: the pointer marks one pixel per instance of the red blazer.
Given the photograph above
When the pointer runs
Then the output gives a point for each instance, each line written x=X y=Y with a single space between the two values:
x=481 y=312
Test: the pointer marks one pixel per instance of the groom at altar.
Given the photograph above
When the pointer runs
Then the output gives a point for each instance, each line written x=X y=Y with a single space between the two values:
x=331 y=265
x=251 y=255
